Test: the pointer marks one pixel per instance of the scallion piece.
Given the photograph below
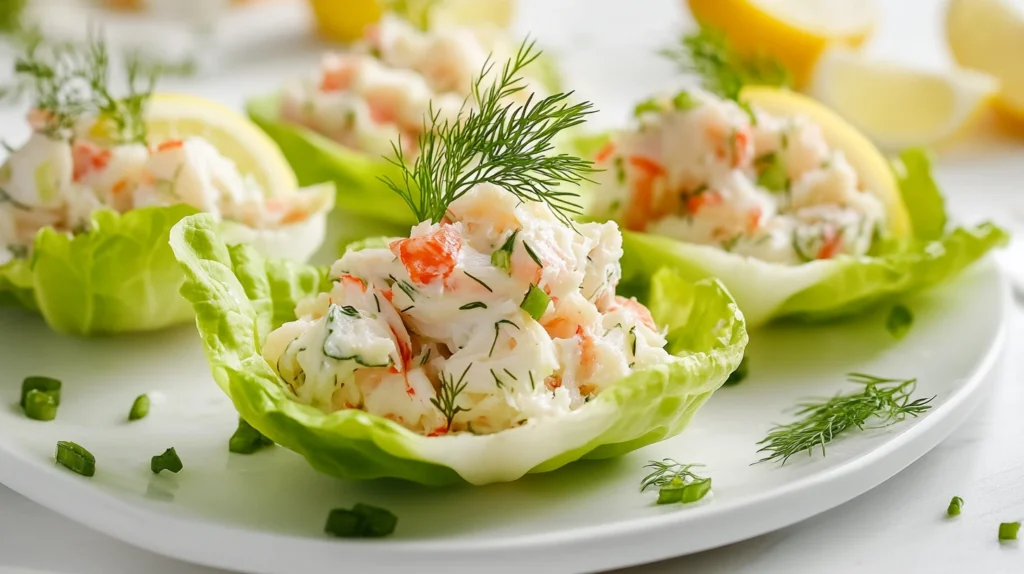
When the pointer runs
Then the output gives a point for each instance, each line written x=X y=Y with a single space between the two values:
x=47 y=385
x=167 y=461
x=1008 y=531
x=899 y=321
x=502 y=258
x=40 y=406
x=75 y=458
x=672 y=492
x=247 y=440
x=695 y=491
x=683 y=101
x=643 y=107
x=954 y=506
x=362 y=521
x=140 y=408
x=536 y=302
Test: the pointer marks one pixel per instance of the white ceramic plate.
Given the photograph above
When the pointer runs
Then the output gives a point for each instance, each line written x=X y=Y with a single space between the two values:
x=265 y=512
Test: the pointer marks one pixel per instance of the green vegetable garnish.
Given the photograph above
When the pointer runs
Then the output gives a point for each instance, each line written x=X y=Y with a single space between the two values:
x=651 y=105
x=683 y=101
x=741 y=372
x=75 y=458
x=140 y=408
x=447 y=397
x=1008 y=530
x=46 y=385
x=363 y=521
x=247 y=440
x=899 y=321
x=40 y=406
x=502 y=258
x=888 y=401
x=675 y=482
x=536 y=302
x=167 y=461
x=507 y=145
x=772 y=172
x=954 y=506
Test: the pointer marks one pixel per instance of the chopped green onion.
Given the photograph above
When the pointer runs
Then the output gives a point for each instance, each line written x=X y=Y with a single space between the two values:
x=671 y=492
x=247 y=440
x=683 y=101
x=140 y=408
x=40 y=406
x=899 y=321
x=651 y=105
x=1008 y=530
x=363 y=521
x=736 y=377
x=167 y=461
x=536 y=302
x=75 y=458
x=773 y=175
x=44 y=384
x=502 y=258
x=954 y=506
x=696 y=490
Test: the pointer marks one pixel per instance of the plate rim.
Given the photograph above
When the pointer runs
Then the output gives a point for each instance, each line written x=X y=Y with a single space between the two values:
x=655 y=537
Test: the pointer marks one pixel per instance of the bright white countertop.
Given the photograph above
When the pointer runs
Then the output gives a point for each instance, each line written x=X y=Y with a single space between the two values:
x=898 y=527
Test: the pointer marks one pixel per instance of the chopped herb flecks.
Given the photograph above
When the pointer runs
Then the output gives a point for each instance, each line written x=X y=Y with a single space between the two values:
x=75 y=458
x=247 y=440
x=899 y=321
x=362 y=521
x=168 y=461
x=675 y=482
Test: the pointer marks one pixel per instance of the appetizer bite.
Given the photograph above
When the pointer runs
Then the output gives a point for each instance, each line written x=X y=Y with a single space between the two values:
x=796 y=212
x=487 y=344
x=344 y=119
x=87 y=201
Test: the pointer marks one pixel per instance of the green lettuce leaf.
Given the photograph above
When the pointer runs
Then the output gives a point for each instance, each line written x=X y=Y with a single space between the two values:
x=118 y=277
x=236 y=304
x=828 y=289
x=317 y=159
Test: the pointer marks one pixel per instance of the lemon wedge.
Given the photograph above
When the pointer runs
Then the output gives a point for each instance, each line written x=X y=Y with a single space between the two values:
x=471 y=13
x=345 y=20
x=796 y=32
x=178 y=116
x=869 y=163
x=899 y=106
x=988 y=35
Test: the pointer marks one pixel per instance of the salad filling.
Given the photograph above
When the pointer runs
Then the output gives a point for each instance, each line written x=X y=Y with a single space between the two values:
x=705 y=170
x=495 y=316
x=59 y=182
x=386 y=88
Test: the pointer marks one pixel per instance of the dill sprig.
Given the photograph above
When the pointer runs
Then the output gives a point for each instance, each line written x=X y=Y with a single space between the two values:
x=507 y=144
x=67 y=81
x=449 y=394
x=664 y=471
x=886 y=401
x=722 y=69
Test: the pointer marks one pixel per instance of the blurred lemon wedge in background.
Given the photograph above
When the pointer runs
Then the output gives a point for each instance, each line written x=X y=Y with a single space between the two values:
x=898 y=106
x=179 y=116
x=345 y=20
x=796 y=32
x=869 y=163
x=988 y=35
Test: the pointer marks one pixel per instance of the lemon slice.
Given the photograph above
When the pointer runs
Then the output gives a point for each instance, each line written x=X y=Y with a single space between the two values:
x=796 y=32
x=988 y=35
x=178 y=116
x=345 y=20
x=869 y=163
x=898 y=106
x=472 y=13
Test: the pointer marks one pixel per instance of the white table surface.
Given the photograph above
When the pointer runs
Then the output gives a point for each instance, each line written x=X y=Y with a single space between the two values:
x=899 y=526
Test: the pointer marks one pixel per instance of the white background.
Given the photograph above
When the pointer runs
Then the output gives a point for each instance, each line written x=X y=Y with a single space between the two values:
x=897 y=527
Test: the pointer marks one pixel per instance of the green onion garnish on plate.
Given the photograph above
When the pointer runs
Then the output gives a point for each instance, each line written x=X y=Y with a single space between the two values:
x=362 y=521
x=75 y=458
x=167 y=461
x=140 y=408
x=47 y=385
x=954 y=506
x=40 y=406
x=1008 y=531
x=247 y=440
x=536 y=302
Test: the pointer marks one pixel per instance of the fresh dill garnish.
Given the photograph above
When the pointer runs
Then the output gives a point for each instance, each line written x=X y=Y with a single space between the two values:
x=722 y=69
x=497 y=330
x=349 y=310
x=491 y=140
x=6 y=198
x=407 y=309
x=377 y=301
x=533 y=384
x=426 y=357
x=632 y=344
x=473 y=305
x=448 y=394
x=532 y=254
x=899 y=321
x=675 y=481
x=497 y=380
x=67 y=82
x=509 y=373
x=406 y=287
x=486 y=286
x=887 y=401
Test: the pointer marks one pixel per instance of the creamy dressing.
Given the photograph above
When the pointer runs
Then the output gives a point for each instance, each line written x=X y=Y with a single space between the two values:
x=705 y=170
x=58 y=183
x=386 y=85
x=497 y=316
